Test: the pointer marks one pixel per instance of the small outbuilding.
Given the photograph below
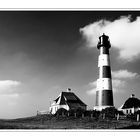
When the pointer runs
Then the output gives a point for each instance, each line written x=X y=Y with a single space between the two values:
x=67 y=100
x=131 y=105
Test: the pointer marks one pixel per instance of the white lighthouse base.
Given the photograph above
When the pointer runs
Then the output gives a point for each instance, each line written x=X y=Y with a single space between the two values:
x=100 y=108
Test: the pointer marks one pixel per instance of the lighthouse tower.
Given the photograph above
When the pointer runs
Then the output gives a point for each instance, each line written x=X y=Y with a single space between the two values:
x=104 y=94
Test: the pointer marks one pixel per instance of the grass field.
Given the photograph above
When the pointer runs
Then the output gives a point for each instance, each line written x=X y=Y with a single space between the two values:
x=52 y=122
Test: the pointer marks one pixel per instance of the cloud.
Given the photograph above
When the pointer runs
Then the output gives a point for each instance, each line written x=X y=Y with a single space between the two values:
x=119 y=81
x=123 y=33
x=94 y=83
x=118 y=85
x=123 y=74
x=92 y=86
x=9 y=93
x=91 y=91
x=9 y=88
x=14 y=95
x=8 y=83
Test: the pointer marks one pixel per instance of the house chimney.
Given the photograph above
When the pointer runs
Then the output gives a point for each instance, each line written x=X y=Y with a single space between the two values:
x=68 y=90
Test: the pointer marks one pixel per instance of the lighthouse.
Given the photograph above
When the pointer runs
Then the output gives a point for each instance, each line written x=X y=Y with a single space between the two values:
x=104 y=94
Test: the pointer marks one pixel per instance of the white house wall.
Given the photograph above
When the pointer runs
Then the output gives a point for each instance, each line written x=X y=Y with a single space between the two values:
x=129 y=110
x=54 y=108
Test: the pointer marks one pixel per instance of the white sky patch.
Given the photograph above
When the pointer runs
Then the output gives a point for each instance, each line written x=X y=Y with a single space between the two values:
x=8 y=83
x=117 y=83
x=124 y=35
x=91 y=91
x=8 y=99
x=14 y=95
x=94 y=83
x=93 y=88
x=9 y=94
x=123 y=74
x=9 y=88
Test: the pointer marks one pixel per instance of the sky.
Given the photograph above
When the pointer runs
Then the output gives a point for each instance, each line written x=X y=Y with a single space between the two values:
x=42 y=53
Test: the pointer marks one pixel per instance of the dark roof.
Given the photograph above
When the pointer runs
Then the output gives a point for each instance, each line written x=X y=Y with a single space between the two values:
x=75 y=105
x=131 y=102
x=62 y=101
x=56 y=99
x=69 y=98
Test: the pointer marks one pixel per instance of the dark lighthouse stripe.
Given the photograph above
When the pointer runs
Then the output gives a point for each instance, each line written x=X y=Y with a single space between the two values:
x=105 y=72
x=106 y=98
x=105 y=50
